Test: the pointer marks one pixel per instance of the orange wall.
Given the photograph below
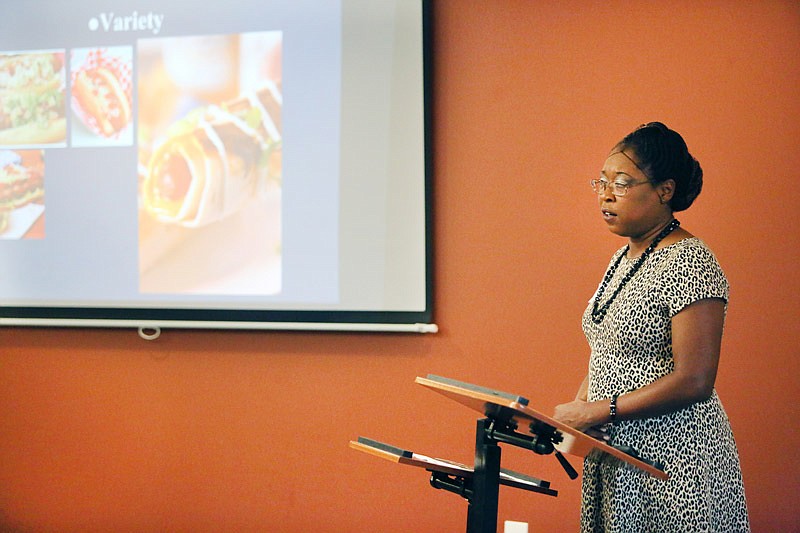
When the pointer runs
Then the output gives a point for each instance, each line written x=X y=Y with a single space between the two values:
x=248 y=431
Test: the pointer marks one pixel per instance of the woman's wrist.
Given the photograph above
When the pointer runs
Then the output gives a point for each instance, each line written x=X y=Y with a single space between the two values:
x=598 y=413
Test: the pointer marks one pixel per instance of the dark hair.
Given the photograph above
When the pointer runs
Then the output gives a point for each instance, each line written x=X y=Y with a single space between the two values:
x=661 y=154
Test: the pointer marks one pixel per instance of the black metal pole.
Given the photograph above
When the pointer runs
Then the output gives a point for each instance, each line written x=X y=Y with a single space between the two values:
x=482 y=514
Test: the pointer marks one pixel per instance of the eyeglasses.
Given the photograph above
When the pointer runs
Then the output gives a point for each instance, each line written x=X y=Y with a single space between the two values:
x=617 y=188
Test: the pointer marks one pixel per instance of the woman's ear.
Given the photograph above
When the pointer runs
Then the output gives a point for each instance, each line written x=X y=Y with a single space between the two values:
x=666 y=190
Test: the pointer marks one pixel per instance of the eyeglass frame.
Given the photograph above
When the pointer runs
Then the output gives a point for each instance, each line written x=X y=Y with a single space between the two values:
x=615 y=186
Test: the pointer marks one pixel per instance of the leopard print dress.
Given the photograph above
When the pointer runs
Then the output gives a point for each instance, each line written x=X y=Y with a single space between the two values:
x=630 y=348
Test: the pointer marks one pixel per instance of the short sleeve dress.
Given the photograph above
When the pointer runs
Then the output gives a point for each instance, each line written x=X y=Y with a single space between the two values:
x=631 y=348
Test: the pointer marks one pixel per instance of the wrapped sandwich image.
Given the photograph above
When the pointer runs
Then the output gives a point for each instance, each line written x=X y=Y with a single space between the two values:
x=210 y=170
x=214 y=160
x=32 y=98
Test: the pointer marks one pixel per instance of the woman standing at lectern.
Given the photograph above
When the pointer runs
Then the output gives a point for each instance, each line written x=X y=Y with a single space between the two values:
x=654 y=327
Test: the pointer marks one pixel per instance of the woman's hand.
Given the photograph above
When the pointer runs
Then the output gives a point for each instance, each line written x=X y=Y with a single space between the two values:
x=582 y=415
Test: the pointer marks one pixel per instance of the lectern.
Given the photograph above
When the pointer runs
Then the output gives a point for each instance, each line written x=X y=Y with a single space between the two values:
x=507 y=419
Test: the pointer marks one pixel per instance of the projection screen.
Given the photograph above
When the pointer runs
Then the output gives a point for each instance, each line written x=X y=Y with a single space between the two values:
x=255 y=164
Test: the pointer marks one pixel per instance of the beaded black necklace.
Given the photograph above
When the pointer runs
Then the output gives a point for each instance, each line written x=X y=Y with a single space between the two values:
x=599 y=311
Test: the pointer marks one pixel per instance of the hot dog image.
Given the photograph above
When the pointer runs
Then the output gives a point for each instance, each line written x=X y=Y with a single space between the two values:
x=101 y=91
x=21 y=182
x=32 y=98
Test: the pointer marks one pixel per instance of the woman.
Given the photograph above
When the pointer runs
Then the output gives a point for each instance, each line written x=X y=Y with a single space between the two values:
x=655 y=328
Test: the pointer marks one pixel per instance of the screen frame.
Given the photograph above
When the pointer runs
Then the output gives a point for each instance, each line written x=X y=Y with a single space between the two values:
x=149 y=318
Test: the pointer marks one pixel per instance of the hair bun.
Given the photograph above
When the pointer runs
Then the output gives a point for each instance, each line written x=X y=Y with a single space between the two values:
x=662 y=154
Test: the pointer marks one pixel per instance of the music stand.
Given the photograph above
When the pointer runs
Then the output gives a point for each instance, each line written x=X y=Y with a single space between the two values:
x=509 y=420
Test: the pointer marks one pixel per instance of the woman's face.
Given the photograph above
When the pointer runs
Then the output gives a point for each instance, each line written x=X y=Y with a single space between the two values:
x=640 y=209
